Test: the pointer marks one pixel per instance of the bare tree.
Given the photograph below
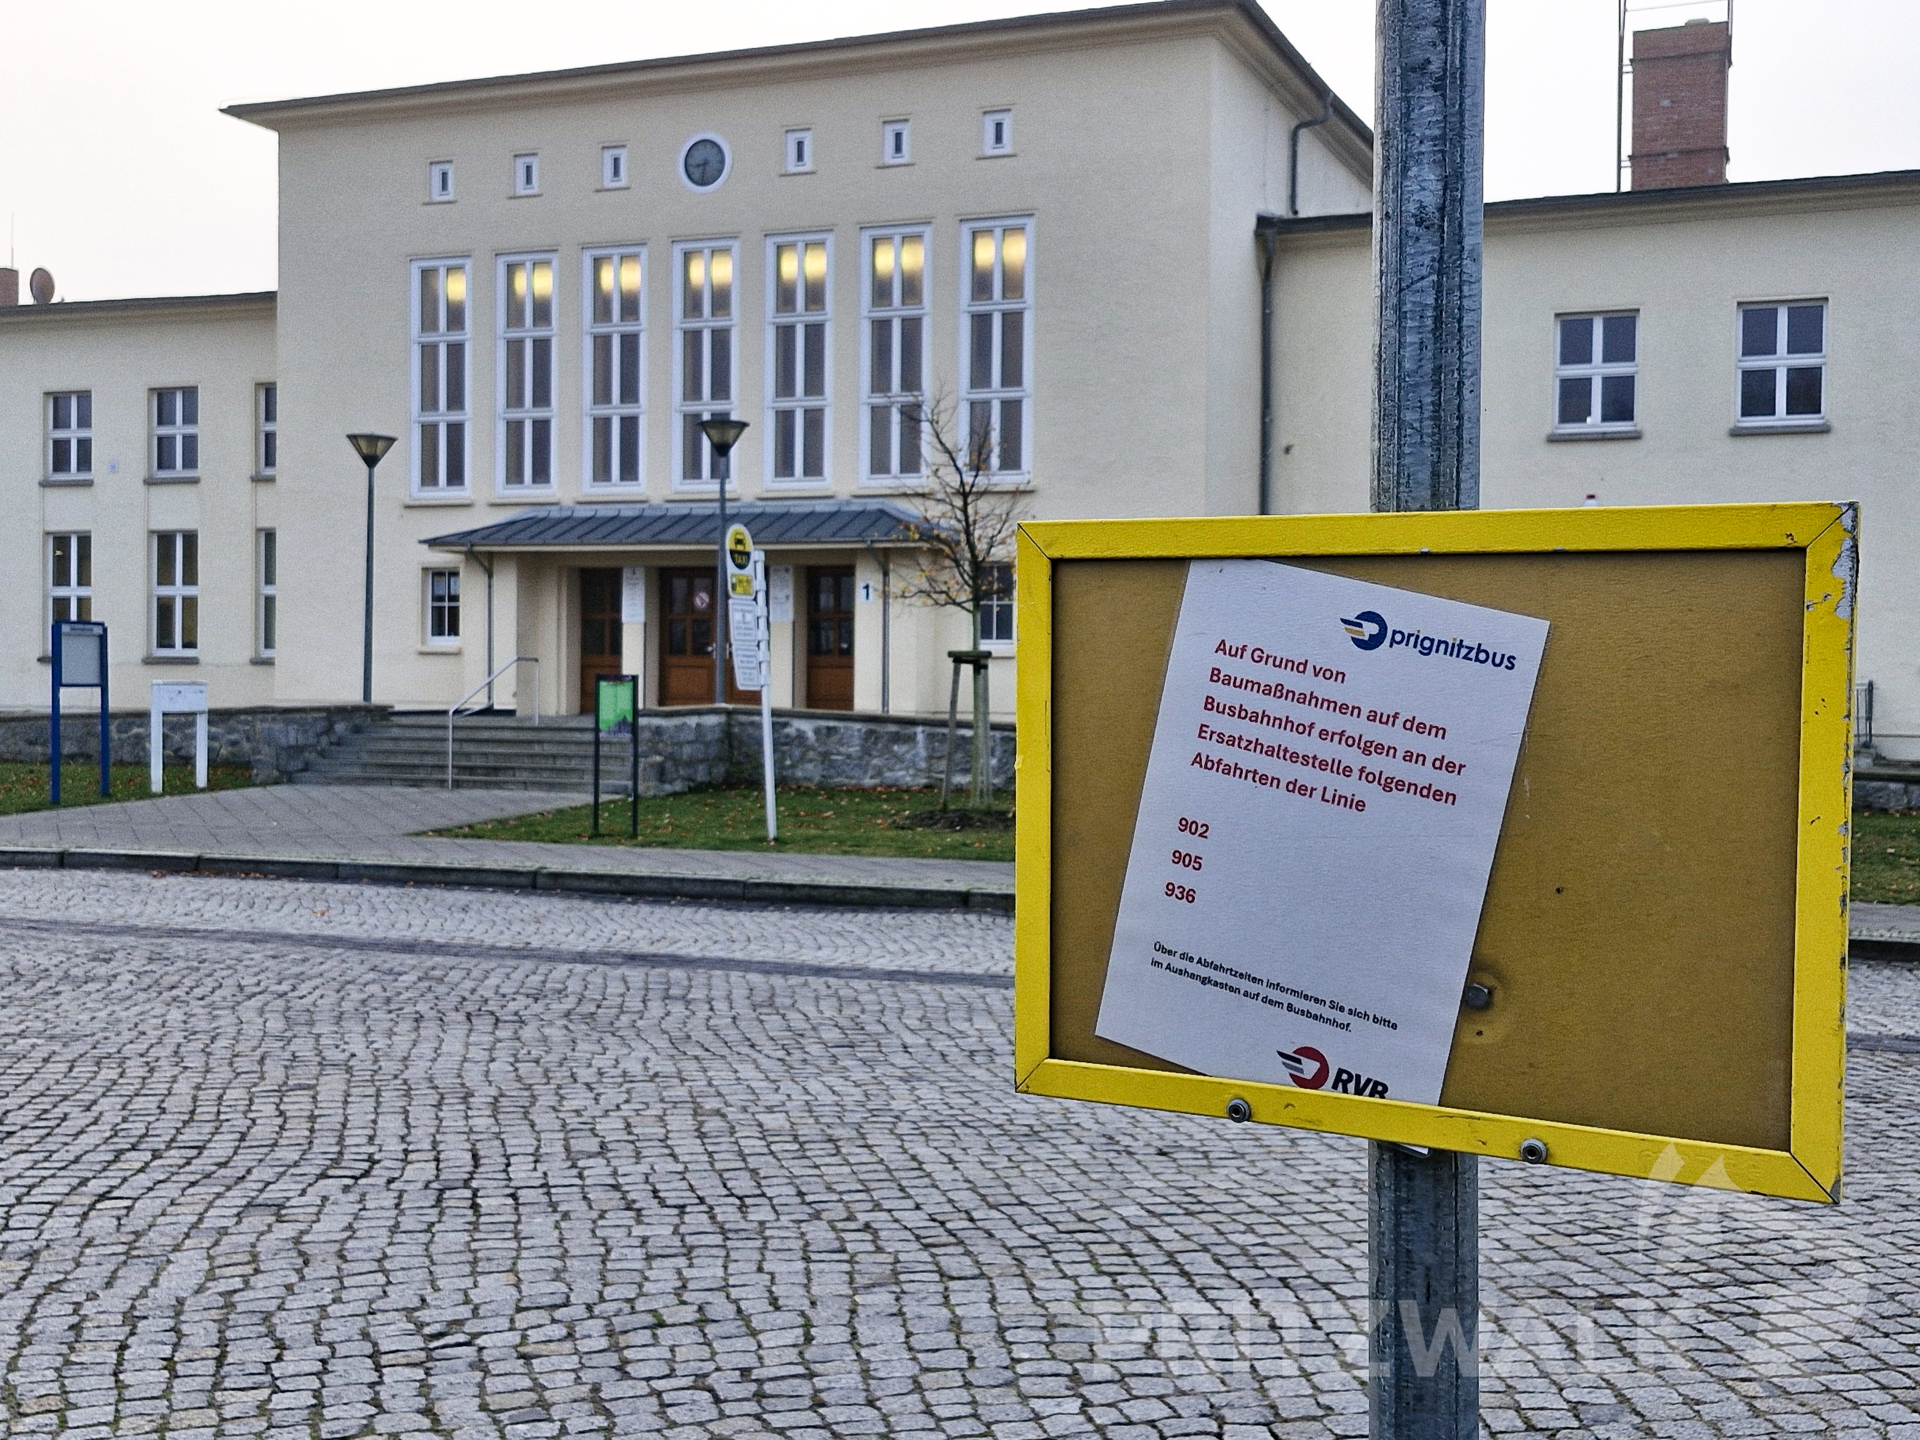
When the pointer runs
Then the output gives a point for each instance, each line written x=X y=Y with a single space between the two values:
x=966 y=539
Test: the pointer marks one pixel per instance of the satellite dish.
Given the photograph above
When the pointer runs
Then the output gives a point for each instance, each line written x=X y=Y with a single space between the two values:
x=41 y=284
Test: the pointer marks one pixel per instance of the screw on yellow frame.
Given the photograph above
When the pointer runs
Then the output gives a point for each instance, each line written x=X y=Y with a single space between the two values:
x=1808 y=1165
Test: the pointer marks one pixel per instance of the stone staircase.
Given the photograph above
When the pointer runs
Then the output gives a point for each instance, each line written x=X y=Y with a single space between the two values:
x=490 y=751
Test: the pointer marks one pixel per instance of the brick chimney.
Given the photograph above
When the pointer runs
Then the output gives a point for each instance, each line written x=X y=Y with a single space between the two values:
x=1680 y=105
x=9 y=286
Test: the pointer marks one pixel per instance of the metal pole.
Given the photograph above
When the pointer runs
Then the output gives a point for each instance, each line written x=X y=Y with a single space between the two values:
x=1423 y=1209
x=593 y=823
x=366 y=638
x=53 y=721
x=633 y=761
x=106 y=729
x=723 y=465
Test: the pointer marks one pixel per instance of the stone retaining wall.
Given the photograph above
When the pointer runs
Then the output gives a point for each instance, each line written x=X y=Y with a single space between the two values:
x=274 y=742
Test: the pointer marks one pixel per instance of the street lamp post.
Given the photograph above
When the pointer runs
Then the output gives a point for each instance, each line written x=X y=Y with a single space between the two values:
x=369 y=448
x=723 y=432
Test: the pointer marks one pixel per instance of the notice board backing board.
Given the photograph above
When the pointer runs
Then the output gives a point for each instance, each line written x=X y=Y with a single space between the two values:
x=1664 y=930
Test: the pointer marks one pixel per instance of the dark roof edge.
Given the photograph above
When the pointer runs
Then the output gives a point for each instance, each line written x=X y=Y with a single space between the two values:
x=1607 y=200
x=259 y=112
x=238 y=300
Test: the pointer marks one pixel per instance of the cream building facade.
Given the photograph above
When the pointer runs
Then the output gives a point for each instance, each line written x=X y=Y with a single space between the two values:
x=1065 y=229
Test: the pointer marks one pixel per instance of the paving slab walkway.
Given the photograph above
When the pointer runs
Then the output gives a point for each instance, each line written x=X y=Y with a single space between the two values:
x=372 y=833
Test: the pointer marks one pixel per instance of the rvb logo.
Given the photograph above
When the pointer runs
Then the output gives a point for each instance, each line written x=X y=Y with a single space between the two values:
x=1367 y=630
x=1309 y=1069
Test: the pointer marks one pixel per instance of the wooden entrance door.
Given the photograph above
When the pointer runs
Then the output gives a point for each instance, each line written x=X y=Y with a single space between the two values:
x=686 y=652
x=830 y=637
x=599 y=631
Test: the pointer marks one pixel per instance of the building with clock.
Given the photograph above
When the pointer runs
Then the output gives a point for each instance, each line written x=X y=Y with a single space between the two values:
x=1060 y=236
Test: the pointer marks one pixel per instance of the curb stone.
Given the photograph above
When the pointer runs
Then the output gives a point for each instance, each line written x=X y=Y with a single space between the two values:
x=658 y=885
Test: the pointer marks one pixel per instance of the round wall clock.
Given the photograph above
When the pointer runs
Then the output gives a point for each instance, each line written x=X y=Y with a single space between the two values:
x=704 y=162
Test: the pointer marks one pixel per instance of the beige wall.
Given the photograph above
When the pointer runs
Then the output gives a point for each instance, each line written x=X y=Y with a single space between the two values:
x=1142 y=162
x=1685 y=270
x=121 y=352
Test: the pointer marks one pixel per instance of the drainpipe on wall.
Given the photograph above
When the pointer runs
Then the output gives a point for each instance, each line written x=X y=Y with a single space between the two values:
x=488 y=571
x=1293 y=152
x=1266 y=239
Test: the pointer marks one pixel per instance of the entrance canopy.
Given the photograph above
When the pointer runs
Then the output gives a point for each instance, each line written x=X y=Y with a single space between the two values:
x=811 y=523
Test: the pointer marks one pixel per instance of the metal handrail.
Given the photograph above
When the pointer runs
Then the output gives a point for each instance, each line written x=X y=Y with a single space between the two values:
x=453 y=711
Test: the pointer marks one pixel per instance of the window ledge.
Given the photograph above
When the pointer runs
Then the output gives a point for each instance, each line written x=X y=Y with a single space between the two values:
x=1596 y=432
x=172 y=480
x=170 y=660
x=603 y=494
x=261 y=660
x=996 y=154
x=1780 y=427
x=436 y=649
x=264 y=479
x=545 y=495
x=433 y=500
x=65 y=482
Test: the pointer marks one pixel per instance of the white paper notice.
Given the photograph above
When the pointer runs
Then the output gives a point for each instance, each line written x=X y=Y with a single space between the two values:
x=1328 y=775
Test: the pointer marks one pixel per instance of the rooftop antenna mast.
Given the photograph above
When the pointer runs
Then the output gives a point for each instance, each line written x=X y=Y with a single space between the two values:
x=1623 y=67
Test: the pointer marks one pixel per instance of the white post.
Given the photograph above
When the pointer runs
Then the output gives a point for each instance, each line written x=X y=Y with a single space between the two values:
x=153 y=745
x=760 y=601
x=200 y=750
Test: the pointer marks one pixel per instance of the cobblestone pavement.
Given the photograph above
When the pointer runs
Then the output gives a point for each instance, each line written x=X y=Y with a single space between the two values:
x=320 y=1160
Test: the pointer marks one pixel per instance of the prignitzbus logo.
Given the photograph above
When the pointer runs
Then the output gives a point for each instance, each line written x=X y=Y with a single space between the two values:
x=1369 y=631
x=1309 y=1069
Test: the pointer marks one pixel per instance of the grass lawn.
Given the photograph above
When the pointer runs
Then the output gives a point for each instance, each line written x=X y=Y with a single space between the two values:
x=1886 y=857
x=812 y=821
x=24 y=787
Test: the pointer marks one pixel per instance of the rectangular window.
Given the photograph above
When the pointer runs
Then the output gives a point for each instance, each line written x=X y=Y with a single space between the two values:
x=439 y=182
x=996 y=338
x=70 y=435
x=525 y=434
x=70 y=576
x=266 y=414
x=526 y=174
x=440 y=376
x=176 y=431
x=894 y=366
x=797 y=343
x=895 y=146
x=996 y=132
x=996 y=610
x=176 y=592
x=703 y=326
x=1595 y=369
x=799 y=151
x=613 y=167
x=1783 y=363
x=266 y=621
x=615 y=433
x=443 y=607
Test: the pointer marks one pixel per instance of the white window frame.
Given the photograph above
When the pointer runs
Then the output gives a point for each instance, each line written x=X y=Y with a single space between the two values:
x=76 y=587
x=440 y=182
x=996 y=395
x=615 y=410
x=799 y=151
x=266 y=608
x=435 y=606
x=184 y=433
x=526 y=173
x=1780 y=362
x=893 y=314
x=538 y=419
x=682 y=325
x=182 y=592
x=896 y=151
x=266 y=428
x=1595 y=372
x=1002 y=117
x=1001 y=609
x=799 y=403
x=76 y=436
x=614 y=174
x=442 y=420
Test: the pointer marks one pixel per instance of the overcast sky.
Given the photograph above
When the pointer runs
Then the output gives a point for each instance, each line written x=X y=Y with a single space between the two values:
x=119 y=175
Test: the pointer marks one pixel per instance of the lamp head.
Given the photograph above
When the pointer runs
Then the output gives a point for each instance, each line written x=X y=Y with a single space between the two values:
x=723 y=433
x=370 y=447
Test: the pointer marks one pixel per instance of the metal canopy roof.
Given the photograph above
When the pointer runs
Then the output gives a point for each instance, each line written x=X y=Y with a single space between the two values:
x=591 y=527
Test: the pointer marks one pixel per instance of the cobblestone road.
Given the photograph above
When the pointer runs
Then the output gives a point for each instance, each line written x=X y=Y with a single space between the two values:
x=329 y=1161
